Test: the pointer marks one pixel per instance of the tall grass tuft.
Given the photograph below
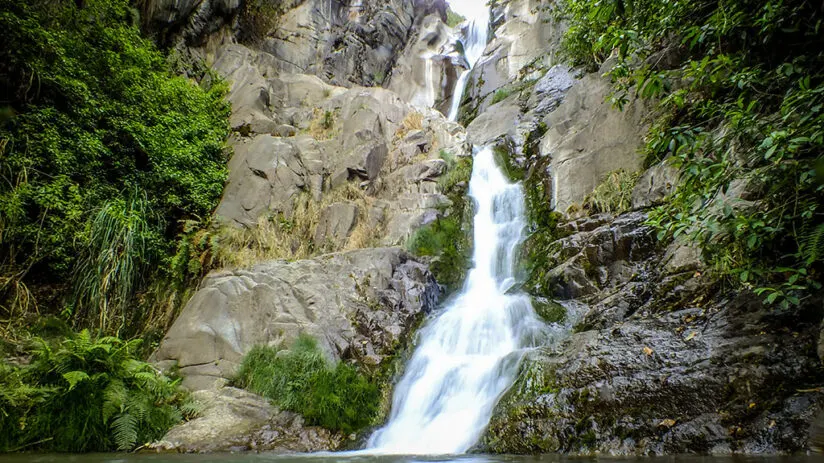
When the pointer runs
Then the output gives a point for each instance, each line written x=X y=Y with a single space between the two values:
x=107 y=276
x=300 y=379
x=614 y=194
x=412 y=121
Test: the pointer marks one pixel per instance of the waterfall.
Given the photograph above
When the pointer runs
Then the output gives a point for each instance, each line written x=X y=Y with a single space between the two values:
x=474 y=42
x=469 y=354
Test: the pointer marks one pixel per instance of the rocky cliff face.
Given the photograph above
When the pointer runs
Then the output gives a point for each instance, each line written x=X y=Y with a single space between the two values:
x=344 y=42
x=663 y=360
x=358 y=166
x=662 y=357
x=298 y=135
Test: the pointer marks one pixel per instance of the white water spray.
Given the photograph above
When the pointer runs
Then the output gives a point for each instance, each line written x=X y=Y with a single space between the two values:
x=477 y=34
x=468 y=356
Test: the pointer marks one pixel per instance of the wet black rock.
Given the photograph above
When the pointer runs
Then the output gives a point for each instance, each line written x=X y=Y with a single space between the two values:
x=665 y=360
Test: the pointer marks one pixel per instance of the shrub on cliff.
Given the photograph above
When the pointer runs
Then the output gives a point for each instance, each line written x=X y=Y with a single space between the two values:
x=448 y=239
x=84 y=394
x=95 y=121
x=301 y=380
x=739 y=87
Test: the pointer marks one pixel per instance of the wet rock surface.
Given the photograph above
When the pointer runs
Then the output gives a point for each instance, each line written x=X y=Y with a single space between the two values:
x=664 y=359
x=722 y=376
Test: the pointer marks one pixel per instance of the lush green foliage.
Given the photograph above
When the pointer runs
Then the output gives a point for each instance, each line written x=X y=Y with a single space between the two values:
x=501 y=94
x=82 y=395
x=739 y=86
x=447 y=239
x=452 y=18
x=103 y=150
x=301 y=380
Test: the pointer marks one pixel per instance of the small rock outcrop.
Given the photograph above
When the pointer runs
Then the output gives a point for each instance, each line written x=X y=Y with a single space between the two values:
x=358 y=305
x=587 y=139
x=233 y=420
x=524 y=43
x=427 y=71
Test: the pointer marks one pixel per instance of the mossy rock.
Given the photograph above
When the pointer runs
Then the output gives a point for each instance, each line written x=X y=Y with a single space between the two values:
x=549 y=310
x=504 y=158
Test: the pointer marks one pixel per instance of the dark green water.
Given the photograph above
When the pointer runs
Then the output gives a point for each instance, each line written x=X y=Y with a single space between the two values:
x=328 y=458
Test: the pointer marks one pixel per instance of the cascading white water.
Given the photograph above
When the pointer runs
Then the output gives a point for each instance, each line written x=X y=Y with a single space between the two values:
x=426 y=97
x=469 y=354
x=477 y=33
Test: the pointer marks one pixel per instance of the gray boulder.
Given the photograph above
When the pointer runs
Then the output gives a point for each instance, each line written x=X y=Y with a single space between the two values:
x=265 y=175
x=233 y=420
x=655 y=184
x=336 y=223
x=359 y=304
x=588 y=138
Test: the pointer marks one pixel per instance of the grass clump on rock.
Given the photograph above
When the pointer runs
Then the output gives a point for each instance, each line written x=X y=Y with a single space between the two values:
x=302 y=380
x=613 y=194
x=447 y=239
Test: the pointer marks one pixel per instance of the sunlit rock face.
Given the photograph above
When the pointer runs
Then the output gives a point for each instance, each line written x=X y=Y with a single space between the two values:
x=344 y=43
x=427 y=71
x=297 y=135
x=358 y=304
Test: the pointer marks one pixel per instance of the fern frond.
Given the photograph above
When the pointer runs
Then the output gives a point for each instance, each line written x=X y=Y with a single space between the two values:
x=811 y=244
x=114 y=398
x=191 y=408
x=124 y=428
x=75 y=377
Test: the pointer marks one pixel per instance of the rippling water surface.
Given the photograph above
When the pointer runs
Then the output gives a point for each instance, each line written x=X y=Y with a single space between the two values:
x=328 y=458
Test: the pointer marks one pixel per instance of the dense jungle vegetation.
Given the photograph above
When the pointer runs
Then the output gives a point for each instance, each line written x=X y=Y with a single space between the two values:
x=738 y=87
x=104 y=153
